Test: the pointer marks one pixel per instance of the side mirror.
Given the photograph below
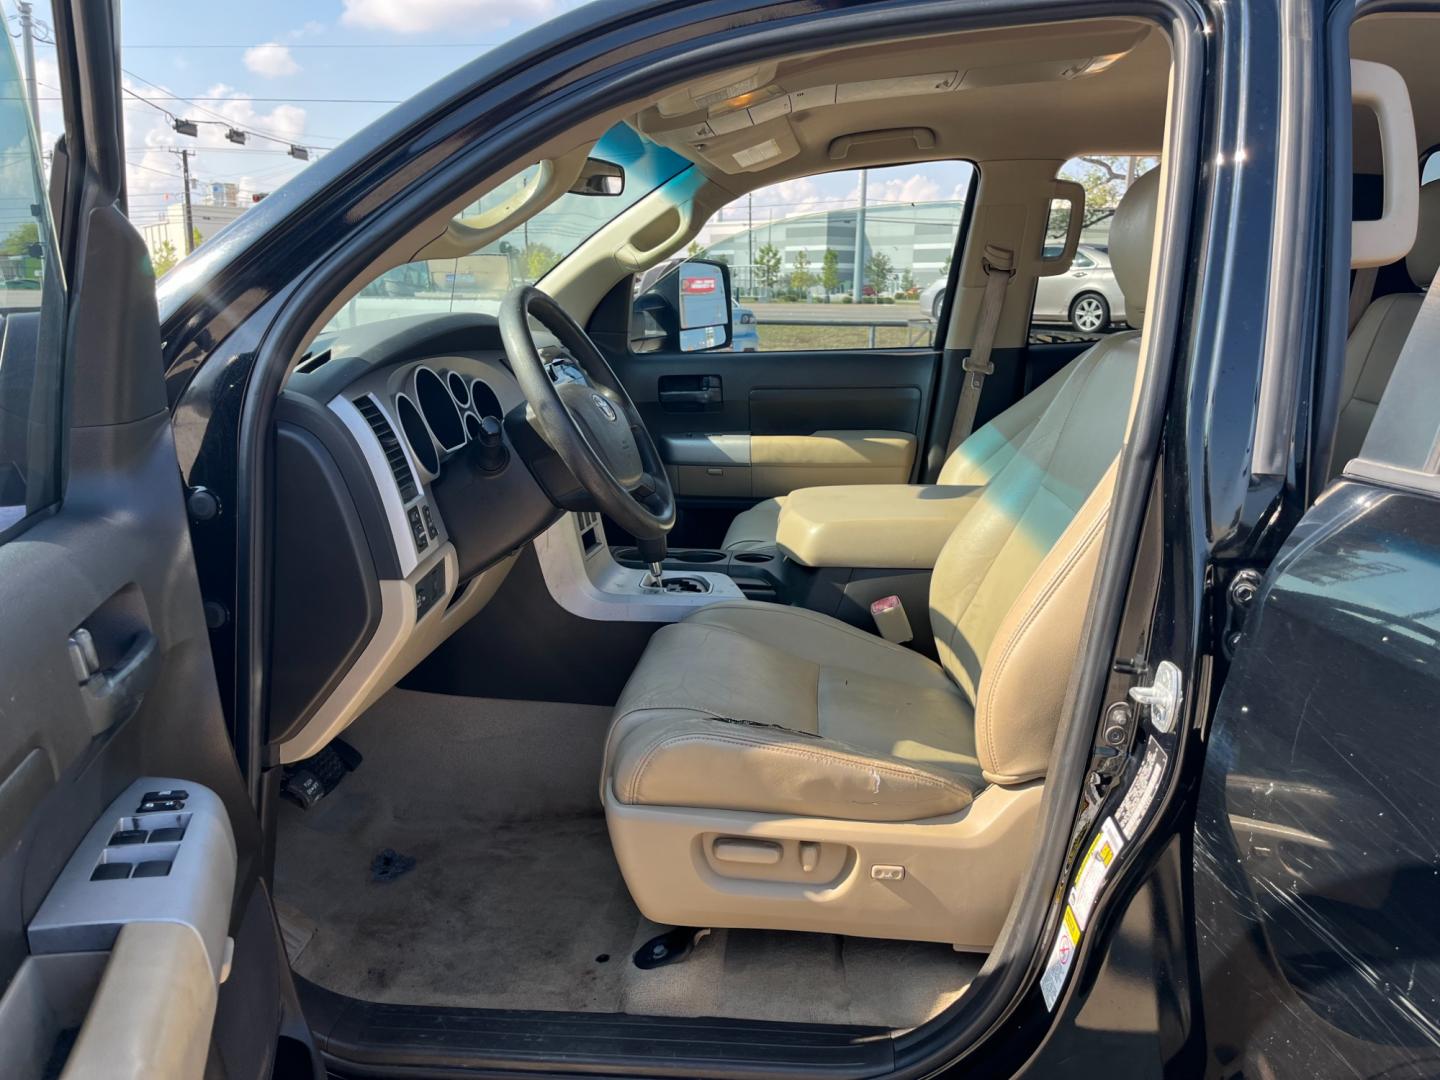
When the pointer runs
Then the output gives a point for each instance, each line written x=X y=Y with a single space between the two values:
x=599 y=178
x=689 y=306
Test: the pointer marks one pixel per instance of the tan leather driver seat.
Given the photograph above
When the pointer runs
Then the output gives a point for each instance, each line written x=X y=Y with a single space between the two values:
x=772 y=767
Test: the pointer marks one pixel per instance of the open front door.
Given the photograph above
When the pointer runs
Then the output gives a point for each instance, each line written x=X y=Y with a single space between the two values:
x=135 y=936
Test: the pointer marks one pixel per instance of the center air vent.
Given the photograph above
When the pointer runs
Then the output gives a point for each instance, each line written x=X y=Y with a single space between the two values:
x=394 y=452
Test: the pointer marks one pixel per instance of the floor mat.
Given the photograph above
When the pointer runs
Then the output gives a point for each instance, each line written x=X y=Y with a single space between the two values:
x=514 y=900
x=527 y=915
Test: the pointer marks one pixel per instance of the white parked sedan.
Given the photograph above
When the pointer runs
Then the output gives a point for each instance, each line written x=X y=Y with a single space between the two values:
x=1085 y=296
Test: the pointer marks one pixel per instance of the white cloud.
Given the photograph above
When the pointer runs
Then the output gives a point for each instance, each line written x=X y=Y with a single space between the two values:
x=271 y=60
x=155 y=171
x=419 y=16
x=916 y=188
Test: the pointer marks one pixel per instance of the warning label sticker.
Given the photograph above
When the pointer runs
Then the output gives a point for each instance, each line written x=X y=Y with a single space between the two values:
x=1093 y=871
x=1094 y=868
x=1058 y=966
x=1143 y=790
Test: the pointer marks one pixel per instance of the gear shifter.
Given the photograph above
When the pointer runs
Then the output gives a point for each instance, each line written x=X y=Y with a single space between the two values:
x=653 y=553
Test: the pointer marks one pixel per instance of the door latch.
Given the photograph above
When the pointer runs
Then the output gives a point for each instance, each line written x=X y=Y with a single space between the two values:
x=1162 y=697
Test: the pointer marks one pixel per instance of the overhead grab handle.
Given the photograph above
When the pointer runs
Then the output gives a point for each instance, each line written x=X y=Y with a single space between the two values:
x=1381 y=90
x=1074 y=194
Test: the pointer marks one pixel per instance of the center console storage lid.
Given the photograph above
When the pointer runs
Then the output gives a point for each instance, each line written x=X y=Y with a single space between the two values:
x=890 y=526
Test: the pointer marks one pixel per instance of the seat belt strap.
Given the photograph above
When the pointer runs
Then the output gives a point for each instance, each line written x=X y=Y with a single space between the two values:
x=999 y=266
x=1362 y=288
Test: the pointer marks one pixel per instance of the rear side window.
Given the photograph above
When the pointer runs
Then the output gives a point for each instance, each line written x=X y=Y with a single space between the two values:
x=30 y=355
x=851 y=260
x=1084 y=303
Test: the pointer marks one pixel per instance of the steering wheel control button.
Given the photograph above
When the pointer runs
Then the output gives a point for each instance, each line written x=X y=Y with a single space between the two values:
x=430 y=529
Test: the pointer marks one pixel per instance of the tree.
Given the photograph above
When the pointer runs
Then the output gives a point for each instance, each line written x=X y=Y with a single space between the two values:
x=164 y=259
x=21 y=240
x=1105 y=179
x=767 y=265
x=694 y=249
x=800 y=277
x=830 y=271
x=877 y=270
x=538 y=259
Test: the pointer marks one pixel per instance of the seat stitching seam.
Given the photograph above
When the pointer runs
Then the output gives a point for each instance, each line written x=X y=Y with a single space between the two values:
x=1061 y=575
x=897 y=771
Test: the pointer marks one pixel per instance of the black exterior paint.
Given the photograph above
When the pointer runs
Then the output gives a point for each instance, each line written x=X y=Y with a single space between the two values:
x=1317 y=837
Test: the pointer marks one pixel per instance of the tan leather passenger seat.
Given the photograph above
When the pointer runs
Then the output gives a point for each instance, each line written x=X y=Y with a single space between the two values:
x=1378 y=337
x=773 y=767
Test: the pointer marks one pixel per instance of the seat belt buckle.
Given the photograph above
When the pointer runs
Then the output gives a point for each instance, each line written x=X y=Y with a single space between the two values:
x=891 y=620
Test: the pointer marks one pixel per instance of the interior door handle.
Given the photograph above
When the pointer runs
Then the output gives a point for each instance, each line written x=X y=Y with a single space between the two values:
x=113 y=694
x=689 y=394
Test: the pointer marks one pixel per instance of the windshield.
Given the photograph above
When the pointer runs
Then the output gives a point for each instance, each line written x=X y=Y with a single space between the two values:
x=525 y=254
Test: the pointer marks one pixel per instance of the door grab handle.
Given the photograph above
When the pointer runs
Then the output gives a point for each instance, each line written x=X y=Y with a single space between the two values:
x=114 y=694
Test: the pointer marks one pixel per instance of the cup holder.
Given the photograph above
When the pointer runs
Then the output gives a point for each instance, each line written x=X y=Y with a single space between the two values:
x=698 y=556
x=754 y=557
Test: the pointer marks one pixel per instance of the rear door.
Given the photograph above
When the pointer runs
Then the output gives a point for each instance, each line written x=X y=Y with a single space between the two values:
x=136 y=940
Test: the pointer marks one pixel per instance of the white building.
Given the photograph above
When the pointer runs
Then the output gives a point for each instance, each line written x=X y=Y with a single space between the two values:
x=206 y=219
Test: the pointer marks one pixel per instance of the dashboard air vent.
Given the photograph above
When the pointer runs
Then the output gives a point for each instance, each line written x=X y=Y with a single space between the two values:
x=394 y=452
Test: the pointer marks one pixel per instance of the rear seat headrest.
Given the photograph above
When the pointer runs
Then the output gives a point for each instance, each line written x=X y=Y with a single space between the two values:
x=1132 y=239
x=1424 y=257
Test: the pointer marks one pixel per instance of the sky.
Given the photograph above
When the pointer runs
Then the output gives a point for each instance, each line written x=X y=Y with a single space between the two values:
x=313 y=72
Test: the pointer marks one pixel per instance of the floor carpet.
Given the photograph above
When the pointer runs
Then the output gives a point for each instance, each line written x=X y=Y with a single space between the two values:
x=514 y=900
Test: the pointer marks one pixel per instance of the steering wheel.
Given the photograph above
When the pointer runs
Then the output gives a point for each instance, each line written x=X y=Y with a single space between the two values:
x=586 y=416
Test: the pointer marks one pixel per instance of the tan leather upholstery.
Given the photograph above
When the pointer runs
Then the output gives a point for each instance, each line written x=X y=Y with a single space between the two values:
x=895 y=740
x=754 y=713
x=973 y=462
x=877 y=525
x=1378 y=337
x=782 y=463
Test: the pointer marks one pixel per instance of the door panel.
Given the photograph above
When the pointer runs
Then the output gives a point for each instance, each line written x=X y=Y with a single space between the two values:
x=763 y=424
x=120 y=906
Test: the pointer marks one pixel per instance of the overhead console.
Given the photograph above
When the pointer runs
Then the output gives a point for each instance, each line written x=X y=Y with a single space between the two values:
x=744 y=120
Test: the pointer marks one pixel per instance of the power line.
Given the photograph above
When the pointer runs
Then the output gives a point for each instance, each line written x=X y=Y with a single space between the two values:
x=259 y=132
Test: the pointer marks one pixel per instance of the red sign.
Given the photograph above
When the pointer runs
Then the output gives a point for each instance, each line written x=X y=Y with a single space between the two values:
x=697 y=284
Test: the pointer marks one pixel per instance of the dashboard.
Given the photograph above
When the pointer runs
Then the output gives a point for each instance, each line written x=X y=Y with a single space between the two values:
x=399 y=508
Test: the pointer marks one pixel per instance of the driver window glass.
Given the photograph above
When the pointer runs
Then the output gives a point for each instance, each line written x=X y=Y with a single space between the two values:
x=1084 y=303
x=791 y=251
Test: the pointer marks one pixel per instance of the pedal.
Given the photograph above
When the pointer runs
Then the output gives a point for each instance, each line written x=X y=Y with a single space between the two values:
x=307 y=782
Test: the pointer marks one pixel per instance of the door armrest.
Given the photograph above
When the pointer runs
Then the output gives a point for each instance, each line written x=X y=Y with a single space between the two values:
x=891 y=526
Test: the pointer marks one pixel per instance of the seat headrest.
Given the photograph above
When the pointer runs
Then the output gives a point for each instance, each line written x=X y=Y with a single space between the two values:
x=1424 y=257
x=1132 y=239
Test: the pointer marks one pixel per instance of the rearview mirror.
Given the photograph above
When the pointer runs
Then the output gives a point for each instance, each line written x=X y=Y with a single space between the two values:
x=599 y=178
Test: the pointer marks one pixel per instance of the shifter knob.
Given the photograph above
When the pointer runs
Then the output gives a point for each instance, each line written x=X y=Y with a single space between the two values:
x=653 y=552
x=490 y=452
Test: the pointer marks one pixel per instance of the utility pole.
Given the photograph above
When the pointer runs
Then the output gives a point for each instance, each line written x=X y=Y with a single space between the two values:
x=27 y=33
x=750 y=235
x=859 y=275
x=185 y=194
